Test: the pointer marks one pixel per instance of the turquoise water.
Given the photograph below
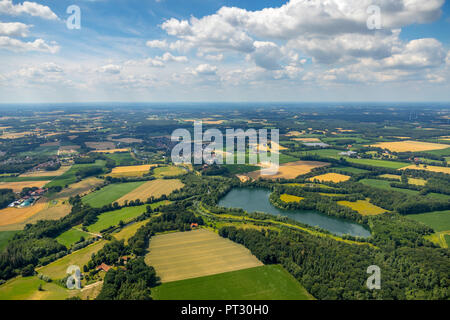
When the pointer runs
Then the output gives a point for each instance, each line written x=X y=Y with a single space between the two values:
x=252 y=200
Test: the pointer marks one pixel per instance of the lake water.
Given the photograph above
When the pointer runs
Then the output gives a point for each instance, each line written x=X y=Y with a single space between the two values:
x=252 y=200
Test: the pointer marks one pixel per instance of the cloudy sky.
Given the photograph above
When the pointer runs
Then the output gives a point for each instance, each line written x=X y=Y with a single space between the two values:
x=225 y=50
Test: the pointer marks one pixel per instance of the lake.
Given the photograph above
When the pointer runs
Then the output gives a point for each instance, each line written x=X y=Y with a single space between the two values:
x=252 y=200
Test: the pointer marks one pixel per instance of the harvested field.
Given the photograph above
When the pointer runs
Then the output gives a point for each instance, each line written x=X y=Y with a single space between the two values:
x=169 y=171
x=43 y=173
x=363 y=207
x=307 y=139
x=105 y=145
x=428 y=168
x=331 y=177
x=291 y=170
x=155 y=188
x=186 y=255
x=16 y=215
x=18 y=186
x=80 y=188
x=131 y=171
x=410 y=146
x=47 y=211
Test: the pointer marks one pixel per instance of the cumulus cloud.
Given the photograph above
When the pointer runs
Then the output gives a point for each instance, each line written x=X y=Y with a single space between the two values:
x=22 y=46
x=31 y=8
x=15 y=29
x=205 y=70
x=110 y=68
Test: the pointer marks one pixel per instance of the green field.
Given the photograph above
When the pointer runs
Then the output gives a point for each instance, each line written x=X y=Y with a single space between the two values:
x=352 y=170
x=442 y=152
x=447 y=239
x=27 y=289
x=70 y=176
x=326 y=153
x=112 y=218
x=71 y=236
x=379 y=163
x=438 y=220
x=5 y=236
x=240 y=168
x=122 y=158
x=271 y=282
x=386 y=185
x=110 y=193
x=21 y=179
x=170 y=171
x=58 y=268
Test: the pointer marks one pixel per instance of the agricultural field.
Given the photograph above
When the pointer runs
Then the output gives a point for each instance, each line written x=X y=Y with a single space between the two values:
x=58 y=268
x=186 y=255
x=352 y=170
x=129 y=231
x=113 y=218
x=153 y=188
x=19 y=185
x=27 y=289
x=429 y=168
x=80 y=188
x=43 y=173
x=380 y=163
x=169 y=171
x=290 y=198
x=72 y=236
x=122 y=159
x=110 y=193
x=101 y=146
x=70 y=176
x=270 y=282
x=330 y=177
x=386 y=185
x=410 y=146
x=438 y=220
x=363 y=207
x=9 y=216
x=291 y=170
x=131 y=171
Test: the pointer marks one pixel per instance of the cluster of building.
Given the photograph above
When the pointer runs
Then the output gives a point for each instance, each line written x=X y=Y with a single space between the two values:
x=29 y=199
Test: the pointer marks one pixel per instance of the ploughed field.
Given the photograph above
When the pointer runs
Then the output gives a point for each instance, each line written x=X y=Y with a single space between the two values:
x=186 y=255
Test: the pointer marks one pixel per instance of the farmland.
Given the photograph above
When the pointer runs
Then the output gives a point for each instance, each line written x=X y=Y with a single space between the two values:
x=410 y=146
x=429 y=168
x=112 y=218
x=185 y=255
x=154 y=188
x=261 y=283
x=380 y=163
x=80 y=188
x=71 y=175
x=291 y=170
x=27 y=289
x=169 y=171
x=110 y=193
x=363 y=207
x=330 y=177
x=18 y=186
x=5 y=236
x=10 y=216
x=71 y=236
x=439 y=221
x=44 y=173
x=130 y=171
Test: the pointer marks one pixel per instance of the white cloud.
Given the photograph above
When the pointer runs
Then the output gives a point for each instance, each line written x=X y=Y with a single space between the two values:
x=205 y=69
x=159 y=44
x=111 y=69
x=21 y=46
x=31 y=8
x=15 y=29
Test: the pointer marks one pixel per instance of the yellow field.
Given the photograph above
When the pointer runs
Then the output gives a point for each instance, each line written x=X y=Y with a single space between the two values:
x=16 y=215
x=410 y=146
x=16 y=135
x=155 y=188
x=186 y=255
x=417 y=182
x=290 y=198
x=129 y=231
x=293 y=134
x=112 y=150
x=291 y=170
x=331 y=177
x=18 y=186
x=363 y=207
x=131 y=171
x=169 y=171
x=391 y=176
x=428 y=168
x=44 y=173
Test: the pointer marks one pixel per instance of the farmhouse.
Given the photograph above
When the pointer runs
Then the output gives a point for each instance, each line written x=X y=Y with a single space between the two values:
x=103 y=267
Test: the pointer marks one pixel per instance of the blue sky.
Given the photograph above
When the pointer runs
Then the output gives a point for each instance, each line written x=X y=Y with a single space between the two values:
x=207 y=50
